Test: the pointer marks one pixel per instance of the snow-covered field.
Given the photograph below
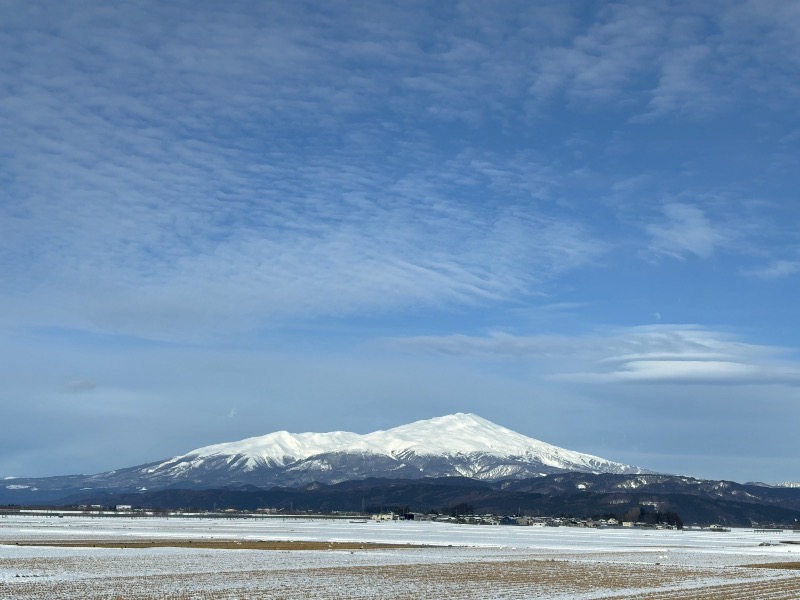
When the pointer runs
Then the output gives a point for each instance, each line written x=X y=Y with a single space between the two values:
x=455 y=561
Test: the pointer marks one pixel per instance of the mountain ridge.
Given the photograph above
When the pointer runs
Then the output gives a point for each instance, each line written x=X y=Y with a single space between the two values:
x=435 y=463
x=461 y=444
x=459 y=434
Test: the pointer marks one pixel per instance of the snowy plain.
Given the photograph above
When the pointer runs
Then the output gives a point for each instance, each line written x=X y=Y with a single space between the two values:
x=442 y=561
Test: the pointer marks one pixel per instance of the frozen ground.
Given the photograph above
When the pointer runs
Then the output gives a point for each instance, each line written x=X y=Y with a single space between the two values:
x=458 y=561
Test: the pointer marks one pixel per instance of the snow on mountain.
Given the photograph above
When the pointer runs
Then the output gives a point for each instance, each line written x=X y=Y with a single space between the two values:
x=784 y=484
x=453 y=445
x=272 y=450
x=456 y=445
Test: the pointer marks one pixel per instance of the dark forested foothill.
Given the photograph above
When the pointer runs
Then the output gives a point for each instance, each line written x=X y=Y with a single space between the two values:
x=647 y=499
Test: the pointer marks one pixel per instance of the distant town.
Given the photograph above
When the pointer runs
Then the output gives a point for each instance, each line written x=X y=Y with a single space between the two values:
x=126 y=510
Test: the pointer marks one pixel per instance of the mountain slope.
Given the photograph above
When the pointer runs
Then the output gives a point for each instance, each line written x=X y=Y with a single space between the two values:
x=454 y=445
x=460 y=444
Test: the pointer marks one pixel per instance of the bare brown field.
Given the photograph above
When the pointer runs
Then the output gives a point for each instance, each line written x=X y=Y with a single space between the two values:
x=776 y=565
x=781 y=589
x=508 y=579
x=286 y=545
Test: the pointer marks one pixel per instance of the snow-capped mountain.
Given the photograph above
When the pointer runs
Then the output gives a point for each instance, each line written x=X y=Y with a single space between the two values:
x=463 y=445
x=455 y=445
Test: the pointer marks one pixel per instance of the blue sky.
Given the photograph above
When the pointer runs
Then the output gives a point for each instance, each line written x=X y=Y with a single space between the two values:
x=575 y=219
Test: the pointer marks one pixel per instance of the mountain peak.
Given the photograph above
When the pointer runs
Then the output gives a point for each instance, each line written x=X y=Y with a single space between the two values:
x=462 y=444
x=458 y=419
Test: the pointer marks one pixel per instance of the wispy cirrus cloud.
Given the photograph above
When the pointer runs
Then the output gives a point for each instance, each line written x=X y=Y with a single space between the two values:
x=168 y=163
x=168 y=173
x=681 y=354
x=776 y=269
x=750 y=230
x=185 y=247
x=685 y=230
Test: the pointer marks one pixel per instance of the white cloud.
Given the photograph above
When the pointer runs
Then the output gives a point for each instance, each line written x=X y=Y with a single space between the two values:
x=777 y=269
x=649 y=354
x=169 y=164
x=684 y=85
x=169 y=243
x=685 y=230
x=601 y=63
x=686 y=370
